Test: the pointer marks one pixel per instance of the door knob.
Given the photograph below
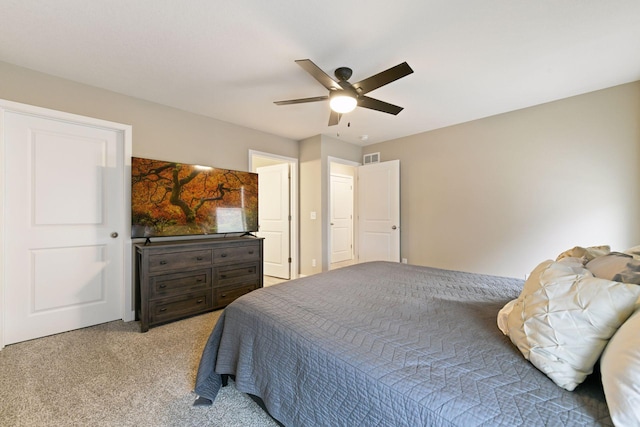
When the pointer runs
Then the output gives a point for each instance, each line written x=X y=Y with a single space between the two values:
x=393 y=227
x=114 y=235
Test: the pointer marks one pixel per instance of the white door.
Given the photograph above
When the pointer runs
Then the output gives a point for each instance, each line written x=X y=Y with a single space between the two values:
x=273 y=218
x=379 y=211
x=341 y=224
x=64 y=186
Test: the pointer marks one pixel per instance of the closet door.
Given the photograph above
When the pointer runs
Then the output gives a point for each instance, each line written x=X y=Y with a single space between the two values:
x=341 y=225
x=379 y=211
x=275 y=224
x=64 y=225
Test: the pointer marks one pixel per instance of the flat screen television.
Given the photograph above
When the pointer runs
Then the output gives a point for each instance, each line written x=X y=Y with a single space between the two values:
x=178 y=199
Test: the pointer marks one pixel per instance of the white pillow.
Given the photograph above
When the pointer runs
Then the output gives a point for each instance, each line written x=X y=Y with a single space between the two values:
x=503 y=316
x=616 y=266
x=564 y=317
x=634 y=251
x=585 y=254
x=620 y=368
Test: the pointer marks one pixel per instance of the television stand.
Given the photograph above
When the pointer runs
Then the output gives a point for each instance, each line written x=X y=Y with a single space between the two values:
x=177 y=279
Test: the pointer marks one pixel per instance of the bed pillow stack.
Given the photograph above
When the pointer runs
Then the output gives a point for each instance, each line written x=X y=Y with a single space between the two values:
x=564 y=317
x=567 y=314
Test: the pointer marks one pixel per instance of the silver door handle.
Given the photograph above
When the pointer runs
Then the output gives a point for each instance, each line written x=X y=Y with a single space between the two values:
x=114 y=235
x=393 y=227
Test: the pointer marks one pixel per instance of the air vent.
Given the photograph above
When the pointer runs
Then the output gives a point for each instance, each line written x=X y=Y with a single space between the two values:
x=371 y=158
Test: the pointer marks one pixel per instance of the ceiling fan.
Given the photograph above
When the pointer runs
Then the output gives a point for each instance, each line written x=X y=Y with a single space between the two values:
x=344 y=96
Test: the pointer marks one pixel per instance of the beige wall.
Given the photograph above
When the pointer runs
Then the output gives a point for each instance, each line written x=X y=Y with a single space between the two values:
x=315 y=153
x=166 y=133
x=159 y=132
x=310 y=201
x=501 y=194
x=340 y=169
x=495 y=195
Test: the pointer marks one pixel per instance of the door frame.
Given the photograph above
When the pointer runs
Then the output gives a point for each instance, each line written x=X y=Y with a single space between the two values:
x=127 y=302
x=327 y=213
x=293 y=203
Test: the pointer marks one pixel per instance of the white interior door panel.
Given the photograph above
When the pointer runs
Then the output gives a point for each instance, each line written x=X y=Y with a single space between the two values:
x=64 y=189
x=379 y=211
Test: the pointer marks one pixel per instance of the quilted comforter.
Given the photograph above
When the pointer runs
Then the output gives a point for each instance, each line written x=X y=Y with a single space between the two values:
x=387 y=344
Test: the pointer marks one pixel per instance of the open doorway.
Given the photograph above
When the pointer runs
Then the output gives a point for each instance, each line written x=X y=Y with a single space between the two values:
x=277 y=212
x=342 y=224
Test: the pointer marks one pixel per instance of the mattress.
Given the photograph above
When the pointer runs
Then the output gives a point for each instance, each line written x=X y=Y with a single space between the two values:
x=388 y=344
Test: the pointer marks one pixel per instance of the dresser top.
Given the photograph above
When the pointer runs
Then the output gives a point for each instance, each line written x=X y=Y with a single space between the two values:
x=197 y=242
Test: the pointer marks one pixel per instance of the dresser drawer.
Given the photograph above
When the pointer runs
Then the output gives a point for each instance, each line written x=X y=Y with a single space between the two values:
x=236 y=274
x=166 y=285
x=177 y=260
x=225 y=296
x=170 y=309
x=177 y=279
x=236 y=254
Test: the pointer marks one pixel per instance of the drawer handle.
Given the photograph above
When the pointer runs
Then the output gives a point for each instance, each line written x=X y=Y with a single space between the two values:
x=163 y=262
x=223 y=255
x=199 y=258
x=200 y=301
x=251 y=252
x=223 y=295
x=199 y=280
x=250 y=270
x=163 y=309
x=223 y=276
x=162 y=286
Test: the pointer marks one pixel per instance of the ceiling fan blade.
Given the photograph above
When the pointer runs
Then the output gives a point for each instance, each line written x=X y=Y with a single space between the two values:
x=375 y=104
x=334 y=118
x=383 y=78
x=318 y=74
x=302 y=100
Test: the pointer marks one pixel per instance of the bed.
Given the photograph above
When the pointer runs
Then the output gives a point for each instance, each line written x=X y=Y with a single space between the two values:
x=388 y=344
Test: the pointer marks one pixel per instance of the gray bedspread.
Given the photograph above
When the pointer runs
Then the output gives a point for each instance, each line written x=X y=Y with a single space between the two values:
x=387 y=344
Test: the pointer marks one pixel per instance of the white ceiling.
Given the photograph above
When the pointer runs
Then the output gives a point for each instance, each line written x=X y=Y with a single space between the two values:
x=231 y=59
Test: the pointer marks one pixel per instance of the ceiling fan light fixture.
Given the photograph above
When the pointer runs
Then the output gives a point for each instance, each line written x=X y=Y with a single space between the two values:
x=343 y=96
x=343 y=103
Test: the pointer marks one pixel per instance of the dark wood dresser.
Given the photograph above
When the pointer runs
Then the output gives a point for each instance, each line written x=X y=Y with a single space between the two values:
x=177 y=279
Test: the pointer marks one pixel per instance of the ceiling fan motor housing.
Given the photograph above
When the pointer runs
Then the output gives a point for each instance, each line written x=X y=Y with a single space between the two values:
x=343 y=73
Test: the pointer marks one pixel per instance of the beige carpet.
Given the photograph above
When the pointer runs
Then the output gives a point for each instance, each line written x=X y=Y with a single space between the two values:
x=113 y=375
